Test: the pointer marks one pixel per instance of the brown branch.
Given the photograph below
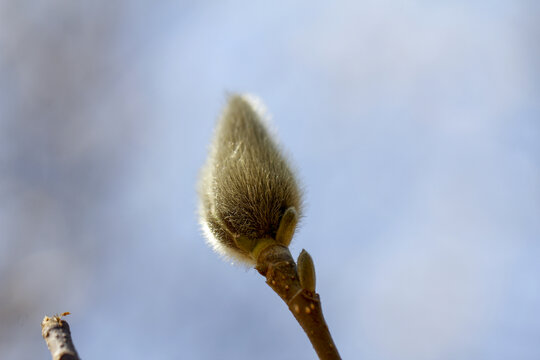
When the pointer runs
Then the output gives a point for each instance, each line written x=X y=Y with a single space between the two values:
x=56 y=333
x=277 y=265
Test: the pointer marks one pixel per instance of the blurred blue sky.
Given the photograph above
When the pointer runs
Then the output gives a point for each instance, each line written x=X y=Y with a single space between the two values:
x=414 y=126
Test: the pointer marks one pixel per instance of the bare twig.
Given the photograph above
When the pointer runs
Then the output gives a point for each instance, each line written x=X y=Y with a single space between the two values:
x=277 y=265
x=57 y=335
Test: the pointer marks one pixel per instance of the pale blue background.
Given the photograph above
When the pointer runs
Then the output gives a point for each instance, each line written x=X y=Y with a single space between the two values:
x=415 y=128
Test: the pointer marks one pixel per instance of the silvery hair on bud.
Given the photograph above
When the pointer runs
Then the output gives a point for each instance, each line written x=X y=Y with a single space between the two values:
x=246 y=185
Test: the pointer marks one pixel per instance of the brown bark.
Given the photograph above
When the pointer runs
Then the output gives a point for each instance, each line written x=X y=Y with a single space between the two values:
x=277 y=265
x=57 y=335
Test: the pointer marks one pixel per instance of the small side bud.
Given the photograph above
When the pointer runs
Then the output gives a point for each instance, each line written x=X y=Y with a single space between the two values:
x=287 y=225
x=306 y=271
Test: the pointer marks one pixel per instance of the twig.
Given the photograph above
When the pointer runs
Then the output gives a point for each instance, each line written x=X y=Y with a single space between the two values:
x=277 y=265
x=57 y=335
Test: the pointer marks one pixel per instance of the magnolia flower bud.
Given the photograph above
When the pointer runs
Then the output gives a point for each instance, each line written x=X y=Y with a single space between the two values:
x=249 y=194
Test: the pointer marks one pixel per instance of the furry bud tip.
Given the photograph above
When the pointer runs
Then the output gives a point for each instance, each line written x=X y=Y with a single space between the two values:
x=247 y=188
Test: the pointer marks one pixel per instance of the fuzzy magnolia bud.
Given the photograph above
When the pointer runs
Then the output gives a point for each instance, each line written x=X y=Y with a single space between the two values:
x=247 y=187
